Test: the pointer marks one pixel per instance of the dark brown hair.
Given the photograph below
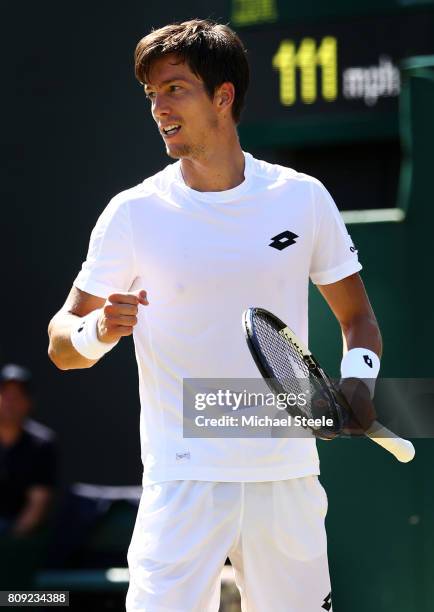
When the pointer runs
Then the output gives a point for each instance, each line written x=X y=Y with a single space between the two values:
x=213 y=52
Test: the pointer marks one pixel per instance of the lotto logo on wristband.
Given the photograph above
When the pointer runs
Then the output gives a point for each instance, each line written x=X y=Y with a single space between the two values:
x=367 y=360
x=367 y=370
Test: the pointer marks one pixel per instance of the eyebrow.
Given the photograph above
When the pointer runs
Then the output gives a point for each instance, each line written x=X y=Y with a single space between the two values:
x=167 y=81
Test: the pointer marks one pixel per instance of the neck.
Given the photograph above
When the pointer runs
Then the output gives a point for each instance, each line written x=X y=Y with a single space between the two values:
x=217 y=170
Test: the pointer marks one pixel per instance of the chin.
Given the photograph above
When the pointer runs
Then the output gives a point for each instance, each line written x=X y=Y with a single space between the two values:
x=178 y=151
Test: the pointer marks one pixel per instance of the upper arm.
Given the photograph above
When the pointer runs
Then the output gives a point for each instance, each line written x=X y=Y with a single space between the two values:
x=110 y=265
x=348 y=300
x=78 y=304
x=334 y=255
x=81 y=303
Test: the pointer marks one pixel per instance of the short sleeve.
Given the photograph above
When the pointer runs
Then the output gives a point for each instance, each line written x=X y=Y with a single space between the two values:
x=334 y=255
x=110 y=264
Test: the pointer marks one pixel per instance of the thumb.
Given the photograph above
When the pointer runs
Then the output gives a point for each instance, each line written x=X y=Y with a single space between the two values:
x=142 y=297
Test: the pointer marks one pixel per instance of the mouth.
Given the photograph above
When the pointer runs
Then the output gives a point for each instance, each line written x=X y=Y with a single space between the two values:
x=170 y=130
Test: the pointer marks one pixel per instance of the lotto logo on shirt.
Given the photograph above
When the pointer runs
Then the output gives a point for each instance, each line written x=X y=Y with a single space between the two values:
x=283 y=240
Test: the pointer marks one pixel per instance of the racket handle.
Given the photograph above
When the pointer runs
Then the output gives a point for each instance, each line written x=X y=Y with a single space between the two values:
x=402 y=449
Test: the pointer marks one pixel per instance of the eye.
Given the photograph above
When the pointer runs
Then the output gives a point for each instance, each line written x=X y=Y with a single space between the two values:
x=175 y=87
x=149 y=95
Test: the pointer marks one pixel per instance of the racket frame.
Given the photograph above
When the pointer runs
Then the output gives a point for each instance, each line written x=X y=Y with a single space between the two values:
x=335 y=399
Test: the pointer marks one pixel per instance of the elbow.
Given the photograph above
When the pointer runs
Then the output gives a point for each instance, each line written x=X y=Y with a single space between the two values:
x=56 y=359
x=64 y=361
x=54 y=354
x=62 y=353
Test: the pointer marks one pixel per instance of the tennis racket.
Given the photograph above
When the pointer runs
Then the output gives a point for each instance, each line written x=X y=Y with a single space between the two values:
x=289 y=367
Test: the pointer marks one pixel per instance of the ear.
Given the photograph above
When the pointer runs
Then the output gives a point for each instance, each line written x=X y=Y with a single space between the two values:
x=224 y=96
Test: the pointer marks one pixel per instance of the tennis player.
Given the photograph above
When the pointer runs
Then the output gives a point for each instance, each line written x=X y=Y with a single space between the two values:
x=175 y=261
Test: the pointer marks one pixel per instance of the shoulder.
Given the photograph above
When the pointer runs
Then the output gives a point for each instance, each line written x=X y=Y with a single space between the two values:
x=154 y=185
x=38 y=434
x=151 y=186
x=275 y=173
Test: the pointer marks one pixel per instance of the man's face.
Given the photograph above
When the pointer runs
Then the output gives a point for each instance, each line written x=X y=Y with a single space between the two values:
x=179 y=100
x=14 y=403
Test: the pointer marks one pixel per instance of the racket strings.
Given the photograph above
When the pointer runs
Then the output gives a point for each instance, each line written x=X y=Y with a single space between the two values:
x=287 y=365
x=288 y=372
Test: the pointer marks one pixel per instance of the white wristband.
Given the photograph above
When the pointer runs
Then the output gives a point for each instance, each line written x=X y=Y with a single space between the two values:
x=361 y=363
x=84 y=338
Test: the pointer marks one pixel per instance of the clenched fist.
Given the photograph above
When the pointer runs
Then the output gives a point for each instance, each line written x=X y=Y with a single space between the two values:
x=119 y=315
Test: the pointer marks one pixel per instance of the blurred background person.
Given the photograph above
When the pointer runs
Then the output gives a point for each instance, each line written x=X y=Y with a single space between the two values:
x=27 y=457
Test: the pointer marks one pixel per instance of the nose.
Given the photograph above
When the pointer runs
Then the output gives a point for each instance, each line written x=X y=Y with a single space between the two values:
x=160 y=106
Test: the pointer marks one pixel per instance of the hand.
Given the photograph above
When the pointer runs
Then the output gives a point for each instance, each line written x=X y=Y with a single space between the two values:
x=119 y=315
x=363 y=412
x=320 y=408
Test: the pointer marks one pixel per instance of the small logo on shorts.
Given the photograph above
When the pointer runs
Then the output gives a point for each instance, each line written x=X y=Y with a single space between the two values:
x=327 y=604
x=183 y=456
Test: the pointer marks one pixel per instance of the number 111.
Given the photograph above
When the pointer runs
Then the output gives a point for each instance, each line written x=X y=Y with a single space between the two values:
x=307 y=58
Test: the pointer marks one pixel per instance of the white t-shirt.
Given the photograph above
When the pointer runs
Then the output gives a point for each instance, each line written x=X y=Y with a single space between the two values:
x=203 y=258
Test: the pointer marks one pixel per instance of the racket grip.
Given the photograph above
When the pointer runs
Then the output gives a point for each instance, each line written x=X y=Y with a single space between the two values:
x=402 y=449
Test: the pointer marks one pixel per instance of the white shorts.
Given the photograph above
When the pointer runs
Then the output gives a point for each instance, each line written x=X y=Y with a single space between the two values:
x=273 y=533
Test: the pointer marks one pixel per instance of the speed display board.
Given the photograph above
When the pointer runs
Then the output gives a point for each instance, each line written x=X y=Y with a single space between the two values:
x=335 y=80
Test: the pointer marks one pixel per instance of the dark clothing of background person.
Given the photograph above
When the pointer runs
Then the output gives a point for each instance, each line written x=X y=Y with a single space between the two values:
x=30 y=461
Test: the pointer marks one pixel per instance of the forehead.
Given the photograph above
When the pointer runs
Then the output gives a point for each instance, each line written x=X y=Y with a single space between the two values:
x=169 y=67
x=13 y=386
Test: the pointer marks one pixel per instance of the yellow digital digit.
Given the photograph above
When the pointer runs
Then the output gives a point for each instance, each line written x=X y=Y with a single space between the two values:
x=307 y=59
x=328 y=60
x=284 y=62
x=247 y=12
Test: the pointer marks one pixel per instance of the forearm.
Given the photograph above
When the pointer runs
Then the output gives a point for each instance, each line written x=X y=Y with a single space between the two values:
x=27 y=521
x=60 y=349
x=363 y=332
x=34 y=513
x=105 y=323
x=359 y=374
x=349 y=303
